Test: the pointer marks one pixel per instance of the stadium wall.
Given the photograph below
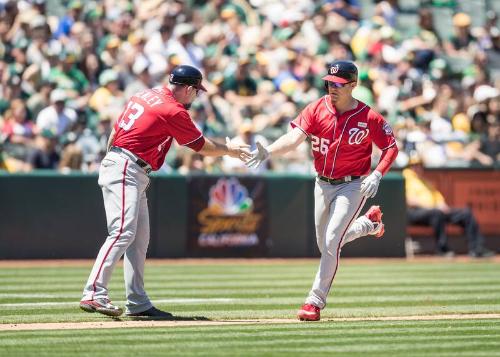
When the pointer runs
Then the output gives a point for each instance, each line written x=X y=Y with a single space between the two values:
x=45 y=215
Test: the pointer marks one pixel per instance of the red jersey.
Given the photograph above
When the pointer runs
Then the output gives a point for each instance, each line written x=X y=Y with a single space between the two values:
x=151 y=119
x=342 y=144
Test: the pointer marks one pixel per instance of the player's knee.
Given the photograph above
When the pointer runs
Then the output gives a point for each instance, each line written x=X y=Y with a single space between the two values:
x=332 y=242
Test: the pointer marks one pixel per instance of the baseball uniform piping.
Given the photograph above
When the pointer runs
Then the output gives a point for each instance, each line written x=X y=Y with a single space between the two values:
x=340 y=242
x=327 y=104
x=192 y=141
x=119 y=233
x=390 y=146
x=333 y=136
x=298 y=126
x=340 y=139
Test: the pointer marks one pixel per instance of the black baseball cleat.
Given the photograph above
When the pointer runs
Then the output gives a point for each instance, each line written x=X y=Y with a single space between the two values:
x=482 y=253
x=152 y=313
x=446 y=253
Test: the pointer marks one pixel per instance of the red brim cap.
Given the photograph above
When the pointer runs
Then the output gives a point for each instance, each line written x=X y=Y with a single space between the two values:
x=335 y=79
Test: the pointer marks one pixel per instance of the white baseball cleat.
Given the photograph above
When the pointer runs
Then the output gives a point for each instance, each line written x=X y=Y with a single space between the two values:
x=103 y=306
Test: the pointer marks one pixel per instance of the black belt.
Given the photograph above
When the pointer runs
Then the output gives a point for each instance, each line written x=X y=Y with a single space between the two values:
x=137 y=160
x=339 y=180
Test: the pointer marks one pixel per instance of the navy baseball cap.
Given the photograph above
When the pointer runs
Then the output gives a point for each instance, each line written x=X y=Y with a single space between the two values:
x=342 y=72
x=187 y=75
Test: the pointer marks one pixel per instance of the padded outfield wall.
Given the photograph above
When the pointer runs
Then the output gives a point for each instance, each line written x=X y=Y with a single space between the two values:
x=45 y=215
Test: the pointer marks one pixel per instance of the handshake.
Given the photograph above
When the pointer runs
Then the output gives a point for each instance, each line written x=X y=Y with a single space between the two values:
x=252 y=159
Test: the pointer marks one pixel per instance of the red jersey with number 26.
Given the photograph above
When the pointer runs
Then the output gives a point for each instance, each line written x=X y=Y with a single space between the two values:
x=151 y=119
x=342 y=144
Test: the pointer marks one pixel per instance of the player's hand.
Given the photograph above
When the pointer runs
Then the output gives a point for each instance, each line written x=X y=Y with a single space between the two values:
x=369 y=186
x=258 y=156
x=238 y=150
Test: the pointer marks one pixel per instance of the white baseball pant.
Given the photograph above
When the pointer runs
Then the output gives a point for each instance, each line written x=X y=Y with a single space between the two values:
x=124 y=185
x=335 y=211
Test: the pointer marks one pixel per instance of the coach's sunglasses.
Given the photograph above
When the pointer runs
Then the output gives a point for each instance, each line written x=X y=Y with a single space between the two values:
x=197 y=90
x=338 y=85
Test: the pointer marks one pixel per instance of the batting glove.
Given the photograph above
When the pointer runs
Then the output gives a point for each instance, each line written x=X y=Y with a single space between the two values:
x=369 y=186
x=258 y=156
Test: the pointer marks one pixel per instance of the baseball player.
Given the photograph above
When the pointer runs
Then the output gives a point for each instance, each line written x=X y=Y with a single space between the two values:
x=341 y=130
x=140 y=139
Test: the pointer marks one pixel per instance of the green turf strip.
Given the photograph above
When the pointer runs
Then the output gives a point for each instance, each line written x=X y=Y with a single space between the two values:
x=375 y=338
x=381 y=288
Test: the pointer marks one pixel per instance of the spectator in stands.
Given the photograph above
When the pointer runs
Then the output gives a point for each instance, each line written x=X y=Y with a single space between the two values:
x=184 y=47
x=350 y=9
x=74 y=13
x=489 y=144
x=71 y=155
x=108 y=98
x=426 y=206
x=493 y=53
x=142 y=80
x=240 y=87
x=462 y=39
x=57 y=118
x=17 y=128
x=44 y=156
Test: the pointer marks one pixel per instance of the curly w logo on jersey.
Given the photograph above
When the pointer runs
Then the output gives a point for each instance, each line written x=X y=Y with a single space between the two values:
x=356 y=135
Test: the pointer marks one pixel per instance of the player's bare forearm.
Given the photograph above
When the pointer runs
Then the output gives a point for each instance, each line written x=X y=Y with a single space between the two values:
x=287 y=142
x=214 y=148
x=110 y=139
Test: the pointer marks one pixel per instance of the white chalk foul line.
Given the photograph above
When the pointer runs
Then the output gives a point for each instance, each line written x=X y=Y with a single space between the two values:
x=36 y=296
x=161 y=301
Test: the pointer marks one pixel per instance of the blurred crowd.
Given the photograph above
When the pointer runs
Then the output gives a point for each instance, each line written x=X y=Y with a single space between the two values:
x=66 y=73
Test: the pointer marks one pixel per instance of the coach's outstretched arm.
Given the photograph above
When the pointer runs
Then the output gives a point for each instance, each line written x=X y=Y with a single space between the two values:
x=282 y=145
x=214 y=148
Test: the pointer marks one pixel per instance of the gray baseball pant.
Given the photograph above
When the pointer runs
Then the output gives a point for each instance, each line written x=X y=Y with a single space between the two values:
x=335 y=212
x=124 y=185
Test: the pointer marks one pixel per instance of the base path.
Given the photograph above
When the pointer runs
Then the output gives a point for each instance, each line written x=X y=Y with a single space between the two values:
x=181 y=323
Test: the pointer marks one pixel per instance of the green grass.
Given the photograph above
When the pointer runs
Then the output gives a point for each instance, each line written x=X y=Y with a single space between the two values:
x=263 y=290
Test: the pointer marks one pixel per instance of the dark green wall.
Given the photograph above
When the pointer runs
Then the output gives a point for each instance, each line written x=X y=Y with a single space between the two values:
x=50 y=216
x=47 y=215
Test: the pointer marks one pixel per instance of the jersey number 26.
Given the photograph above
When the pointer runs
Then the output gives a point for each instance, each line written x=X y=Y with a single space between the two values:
x=320 y=144
x=130 y=115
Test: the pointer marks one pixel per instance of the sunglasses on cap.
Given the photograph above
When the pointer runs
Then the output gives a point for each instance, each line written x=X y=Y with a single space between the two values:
x=337 y=85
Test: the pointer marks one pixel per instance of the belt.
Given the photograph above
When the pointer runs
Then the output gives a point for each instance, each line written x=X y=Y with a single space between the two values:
x=339 y=180
x=143 y=164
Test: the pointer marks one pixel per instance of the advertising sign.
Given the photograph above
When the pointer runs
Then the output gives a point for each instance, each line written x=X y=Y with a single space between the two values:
x=227 y=216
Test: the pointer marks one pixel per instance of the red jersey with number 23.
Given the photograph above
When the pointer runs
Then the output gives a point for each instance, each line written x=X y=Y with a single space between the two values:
x=151 y=119
x=342 y=144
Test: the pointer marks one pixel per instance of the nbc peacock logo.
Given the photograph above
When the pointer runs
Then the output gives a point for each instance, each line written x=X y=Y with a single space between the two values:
x=229 y=219
x=228 y=196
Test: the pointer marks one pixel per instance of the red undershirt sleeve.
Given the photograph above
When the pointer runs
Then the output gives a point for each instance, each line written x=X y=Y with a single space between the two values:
x=387 y=158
